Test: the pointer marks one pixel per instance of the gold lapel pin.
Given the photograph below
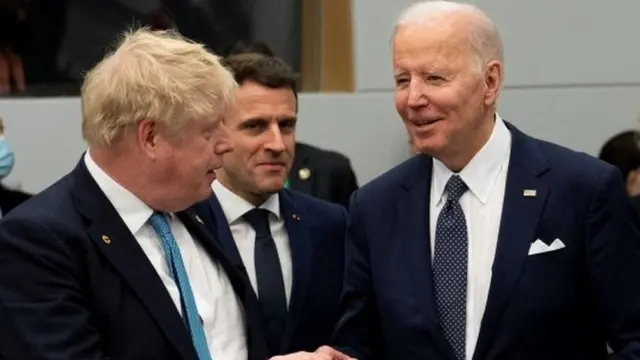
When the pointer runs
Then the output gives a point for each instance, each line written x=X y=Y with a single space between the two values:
x=106 y=239
x=198 y=219
x=304 y=173
x=529 y=193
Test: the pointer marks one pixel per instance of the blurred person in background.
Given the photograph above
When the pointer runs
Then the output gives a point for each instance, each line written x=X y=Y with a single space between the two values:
x=9 y=198
x=12 y=37
x=324 y=174
x=623 y=152
x=290 y=245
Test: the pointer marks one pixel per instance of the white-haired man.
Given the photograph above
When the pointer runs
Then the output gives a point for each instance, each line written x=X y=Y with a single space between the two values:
x=491 y=244
x=111 y=262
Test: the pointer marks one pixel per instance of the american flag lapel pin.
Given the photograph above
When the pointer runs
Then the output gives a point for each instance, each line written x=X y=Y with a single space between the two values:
x=529 y=193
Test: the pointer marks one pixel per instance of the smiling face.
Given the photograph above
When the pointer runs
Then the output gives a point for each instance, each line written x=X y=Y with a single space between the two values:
x=262 y=130
x=445 y=102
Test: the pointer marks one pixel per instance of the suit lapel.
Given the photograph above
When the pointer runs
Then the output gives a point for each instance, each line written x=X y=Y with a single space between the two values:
x=520 y=215
x=115 y=241
x=301 y=242
x=256 y=345
x=412 y=230
x=197 y=228
x=223 y=232
x=296 y=181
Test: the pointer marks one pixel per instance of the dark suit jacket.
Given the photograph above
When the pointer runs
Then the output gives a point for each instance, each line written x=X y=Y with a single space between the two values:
x=331 y=175
x=10 y=199
x=635 y=202
x=563 y=304
x=75 y=284
x=316 y=232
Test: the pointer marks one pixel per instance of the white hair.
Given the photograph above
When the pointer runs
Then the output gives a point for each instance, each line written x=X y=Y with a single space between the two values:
x=483 y=35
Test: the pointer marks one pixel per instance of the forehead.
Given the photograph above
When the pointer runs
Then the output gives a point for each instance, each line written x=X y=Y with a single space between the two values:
x=430 y=48
x=251 y=95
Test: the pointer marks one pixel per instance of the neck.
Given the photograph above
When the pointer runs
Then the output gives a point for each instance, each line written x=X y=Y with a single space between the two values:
x=456 y=160
x=126 y=171
x=252 y=198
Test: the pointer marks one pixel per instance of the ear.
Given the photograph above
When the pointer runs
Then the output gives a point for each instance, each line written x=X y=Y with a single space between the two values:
x=147 y=136
x=493 y=77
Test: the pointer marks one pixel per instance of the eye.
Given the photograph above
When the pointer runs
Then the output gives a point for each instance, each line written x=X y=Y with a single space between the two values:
x=434 y=78
x=254 y=125
x=401 y=81
x=288 y=124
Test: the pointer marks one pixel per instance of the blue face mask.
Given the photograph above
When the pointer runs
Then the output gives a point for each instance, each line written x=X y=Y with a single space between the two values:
x=6 y=158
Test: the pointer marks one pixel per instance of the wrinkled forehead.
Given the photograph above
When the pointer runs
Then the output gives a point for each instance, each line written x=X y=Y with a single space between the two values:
x=431 y=47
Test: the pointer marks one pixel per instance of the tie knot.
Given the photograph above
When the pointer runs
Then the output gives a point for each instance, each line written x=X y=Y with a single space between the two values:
x=455 y=188
x=159 y=222
x=259 y=221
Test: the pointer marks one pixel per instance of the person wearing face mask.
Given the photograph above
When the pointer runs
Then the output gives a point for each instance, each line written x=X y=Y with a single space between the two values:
x=9 y=198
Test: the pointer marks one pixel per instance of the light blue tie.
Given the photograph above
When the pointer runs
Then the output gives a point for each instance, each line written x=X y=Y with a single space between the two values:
x=174 y=261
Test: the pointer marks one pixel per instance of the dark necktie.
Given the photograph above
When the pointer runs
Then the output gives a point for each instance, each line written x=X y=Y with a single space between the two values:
x=450 y=267
x=271 y=292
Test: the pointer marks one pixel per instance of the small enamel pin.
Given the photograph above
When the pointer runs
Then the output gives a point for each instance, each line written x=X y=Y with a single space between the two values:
x=106 y=239
x=304 y=173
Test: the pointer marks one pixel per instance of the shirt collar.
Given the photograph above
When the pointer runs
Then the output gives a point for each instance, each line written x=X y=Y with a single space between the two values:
x=482 y=171
x=131 y=209
x=234 y=207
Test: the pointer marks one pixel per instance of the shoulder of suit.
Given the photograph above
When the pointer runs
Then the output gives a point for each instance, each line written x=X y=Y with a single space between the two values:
x=571 y=163
x=381 y=185
x=53 y=207
x=310 y=204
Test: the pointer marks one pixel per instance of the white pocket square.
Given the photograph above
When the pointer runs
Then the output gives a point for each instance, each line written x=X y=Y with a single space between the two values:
x=539 y=247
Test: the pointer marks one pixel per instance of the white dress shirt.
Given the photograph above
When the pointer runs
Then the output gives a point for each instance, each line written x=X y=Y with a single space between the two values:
x=218 y=306
x=234 y=207
x=486 y=176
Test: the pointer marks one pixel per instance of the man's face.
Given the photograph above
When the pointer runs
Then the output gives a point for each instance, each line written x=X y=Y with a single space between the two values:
x=262 y=130
x=186 y=164
x=440 y=95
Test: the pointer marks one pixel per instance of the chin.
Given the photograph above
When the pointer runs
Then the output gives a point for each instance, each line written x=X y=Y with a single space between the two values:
x=272 y=187
x=429 y=146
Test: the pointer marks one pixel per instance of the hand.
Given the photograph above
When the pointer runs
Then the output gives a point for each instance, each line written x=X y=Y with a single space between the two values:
x=323 y=353
x=302 y=356
x=333 y=353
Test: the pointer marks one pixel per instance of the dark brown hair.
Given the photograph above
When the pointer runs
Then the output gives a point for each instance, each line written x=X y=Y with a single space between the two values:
x=269 y=71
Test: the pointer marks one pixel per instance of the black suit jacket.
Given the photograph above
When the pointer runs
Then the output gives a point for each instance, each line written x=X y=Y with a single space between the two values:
x=316 y=231
x=331 y=176
x=75 y=284
x=10 y=199
x=562 y=304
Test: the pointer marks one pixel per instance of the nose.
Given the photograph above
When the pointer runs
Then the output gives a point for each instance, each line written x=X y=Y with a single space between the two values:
x=223 y=143
x=275 y=143
x=416 y=97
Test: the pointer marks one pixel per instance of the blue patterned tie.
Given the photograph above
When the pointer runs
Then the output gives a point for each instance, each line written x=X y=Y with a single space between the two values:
x=174 y=262
x=450 y=267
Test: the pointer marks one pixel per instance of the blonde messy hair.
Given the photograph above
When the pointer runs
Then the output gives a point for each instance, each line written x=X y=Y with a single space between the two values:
x=157 y=75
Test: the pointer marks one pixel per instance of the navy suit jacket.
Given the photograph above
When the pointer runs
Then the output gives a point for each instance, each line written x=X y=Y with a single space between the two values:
x=75 y=284
x=316 y=230
x=564 y=304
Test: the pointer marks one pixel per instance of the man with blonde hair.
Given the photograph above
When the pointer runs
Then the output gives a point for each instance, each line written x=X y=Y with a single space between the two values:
x=489 y=244
x=111 y=262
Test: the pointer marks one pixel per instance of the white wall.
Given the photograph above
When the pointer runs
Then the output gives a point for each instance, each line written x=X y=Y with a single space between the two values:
x=572 y=78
